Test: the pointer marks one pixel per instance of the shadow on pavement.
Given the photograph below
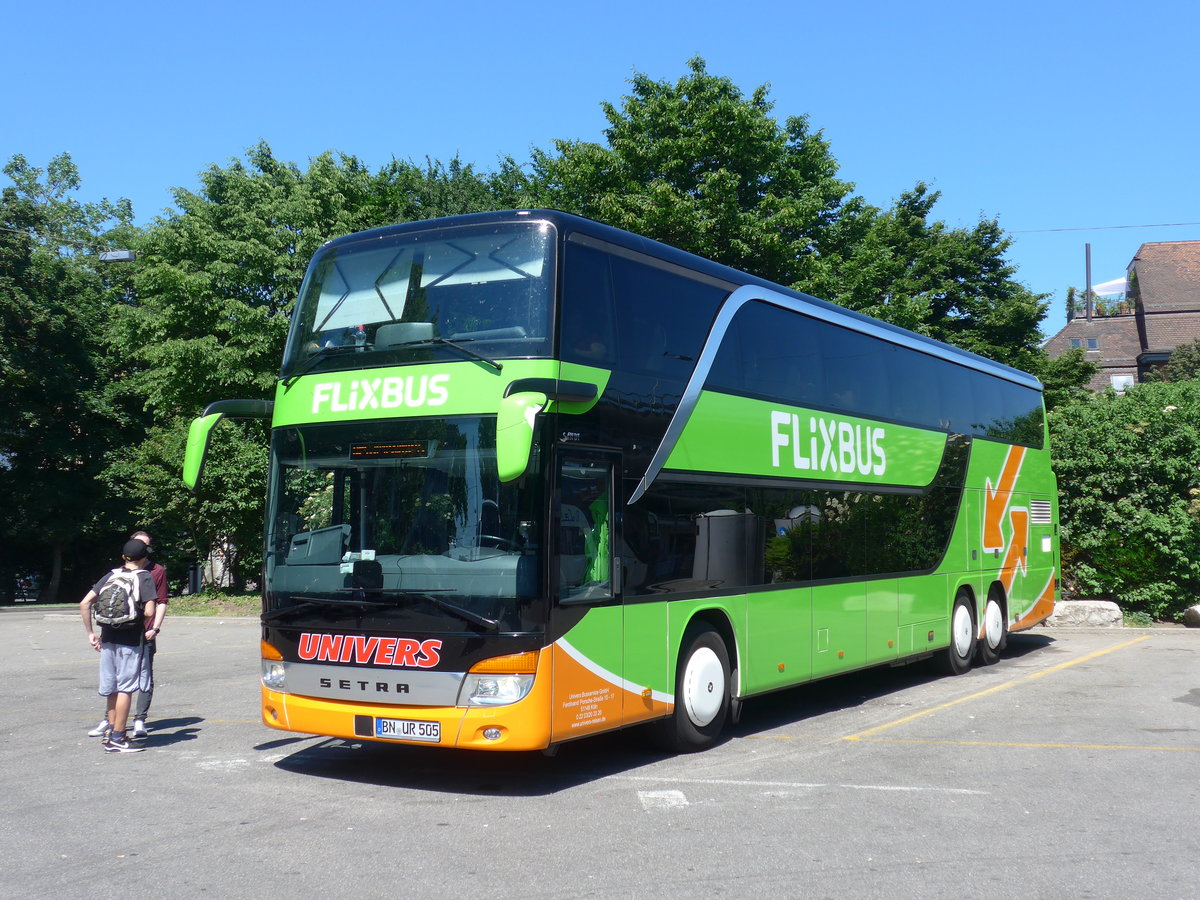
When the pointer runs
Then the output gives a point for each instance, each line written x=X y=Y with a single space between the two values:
x=472 y=772
x=165 y=732
x=595 y=758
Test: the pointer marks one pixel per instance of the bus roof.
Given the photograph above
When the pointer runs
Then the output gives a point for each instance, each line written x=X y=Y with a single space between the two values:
x=568 y=223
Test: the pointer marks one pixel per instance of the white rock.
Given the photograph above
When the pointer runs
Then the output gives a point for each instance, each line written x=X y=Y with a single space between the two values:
x=1092 y=613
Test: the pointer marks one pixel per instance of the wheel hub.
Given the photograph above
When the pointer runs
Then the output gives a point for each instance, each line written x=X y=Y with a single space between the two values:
x=703 y=686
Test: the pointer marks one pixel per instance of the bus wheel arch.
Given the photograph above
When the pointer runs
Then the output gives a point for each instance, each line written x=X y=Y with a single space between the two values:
x=956 y=659
x=994 y=637
x=704 y=679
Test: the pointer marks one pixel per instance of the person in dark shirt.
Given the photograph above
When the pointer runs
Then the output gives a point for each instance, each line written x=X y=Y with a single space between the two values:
x=159 y=573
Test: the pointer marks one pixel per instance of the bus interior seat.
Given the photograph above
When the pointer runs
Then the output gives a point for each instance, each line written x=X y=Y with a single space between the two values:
x=322 y=547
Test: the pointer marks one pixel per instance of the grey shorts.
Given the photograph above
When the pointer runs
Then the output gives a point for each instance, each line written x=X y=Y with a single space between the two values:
x=123 y=669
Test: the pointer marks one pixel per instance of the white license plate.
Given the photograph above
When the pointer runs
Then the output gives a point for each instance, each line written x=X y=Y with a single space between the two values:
x=408 y=730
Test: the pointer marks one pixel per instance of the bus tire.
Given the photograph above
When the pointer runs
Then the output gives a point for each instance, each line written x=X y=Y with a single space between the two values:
x=956 y=659
x=701 y=693
x=995 y=632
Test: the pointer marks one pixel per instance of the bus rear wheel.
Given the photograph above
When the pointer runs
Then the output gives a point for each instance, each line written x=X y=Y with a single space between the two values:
x=995 y=632
x=701 y=694
x=956 y=659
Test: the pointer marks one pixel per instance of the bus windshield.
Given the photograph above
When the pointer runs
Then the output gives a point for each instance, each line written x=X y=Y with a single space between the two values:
x=406 y=524
x=413 y=296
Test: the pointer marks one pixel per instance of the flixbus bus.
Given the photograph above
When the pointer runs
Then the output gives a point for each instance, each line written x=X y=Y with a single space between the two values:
x=534 y=478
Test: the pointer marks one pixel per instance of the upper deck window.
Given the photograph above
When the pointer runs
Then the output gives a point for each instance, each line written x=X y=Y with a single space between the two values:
x=777 y=354
x=633 y=312
x=401 y=296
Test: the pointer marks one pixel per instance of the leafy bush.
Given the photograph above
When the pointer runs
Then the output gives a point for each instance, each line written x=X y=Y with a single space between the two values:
x=1129 y=486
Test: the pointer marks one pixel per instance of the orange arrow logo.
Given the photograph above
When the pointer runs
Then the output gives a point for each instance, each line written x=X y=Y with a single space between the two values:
x=1015 y=558
x=995 y=500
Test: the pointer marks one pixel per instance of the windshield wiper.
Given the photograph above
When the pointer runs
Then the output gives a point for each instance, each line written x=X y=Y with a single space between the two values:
x=489 y=625
x=457 y=345
x=360 y=605
x=311 y=362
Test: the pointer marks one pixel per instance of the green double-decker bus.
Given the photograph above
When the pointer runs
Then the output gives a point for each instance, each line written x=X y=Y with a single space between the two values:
x=534 y=478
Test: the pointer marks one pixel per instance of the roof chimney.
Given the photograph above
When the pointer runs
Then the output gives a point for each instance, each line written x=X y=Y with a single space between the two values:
x=1087 y=297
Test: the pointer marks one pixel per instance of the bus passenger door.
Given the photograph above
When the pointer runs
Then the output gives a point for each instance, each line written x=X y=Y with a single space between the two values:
x=588 y=617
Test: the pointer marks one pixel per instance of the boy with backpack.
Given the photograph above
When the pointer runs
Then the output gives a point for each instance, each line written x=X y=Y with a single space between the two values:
x=122 y=603
x=159 y=573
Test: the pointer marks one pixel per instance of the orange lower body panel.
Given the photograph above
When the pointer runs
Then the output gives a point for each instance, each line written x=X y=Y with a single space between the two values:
x=589 y=701
x=524 y=725
x=1041 y=610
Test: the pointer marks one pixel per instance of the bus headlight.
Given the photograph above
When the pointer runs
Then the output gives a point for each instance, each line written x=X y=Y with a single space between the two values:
x=274 y=675
x=494 y=690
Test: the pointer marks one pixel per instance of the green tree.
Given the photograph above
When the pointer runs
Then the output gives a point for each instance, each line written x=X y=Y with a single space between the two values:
x=1074 y=302
x=1129 y=490
x=207 y=321
x=952 y=284
x=1065 y=377
x=1183 y=364
x=56 y=423
x=699 y=165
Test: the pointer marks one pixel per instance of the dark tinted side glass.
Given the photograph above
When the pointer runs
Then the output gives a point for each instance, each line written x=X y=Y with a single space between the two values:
x=639 y=316
x=779 y=354
x=714 y=535
x=587 y=332
x=855 y=366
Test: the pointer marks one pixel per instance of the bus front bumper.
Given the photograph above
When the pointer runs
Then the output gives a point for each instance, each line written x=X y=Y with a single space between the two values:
x=520 y=726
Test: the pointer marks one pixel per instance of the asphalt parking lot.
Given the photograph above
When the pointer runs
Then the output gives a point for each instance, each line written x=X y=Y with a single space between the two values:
x=1067 y=770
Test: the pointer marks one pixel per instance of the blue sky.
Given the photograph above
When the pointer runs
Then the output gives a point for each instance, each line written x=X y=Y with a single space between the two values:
x=1045 y=115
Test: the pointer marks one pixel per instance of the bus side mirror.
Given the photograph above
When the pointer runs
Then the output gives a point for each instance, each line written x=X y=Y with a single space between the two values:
x=197 y=448
x=200 y=431
x=514 y=432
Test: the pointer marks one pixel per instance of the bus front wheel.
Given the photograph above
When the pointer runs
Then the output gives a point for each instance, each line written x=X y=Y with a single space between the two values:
x=701 y=694
x=956 y=659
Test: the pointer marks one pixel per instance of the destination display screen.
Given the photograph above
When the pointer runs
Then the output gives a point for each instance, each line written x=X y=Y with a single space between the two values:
x=389 y=449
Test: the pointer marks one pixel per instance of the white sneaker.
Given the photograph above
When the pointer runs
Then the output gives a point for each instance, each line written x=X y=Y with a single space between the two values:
x=100 y=730
x=139 y=728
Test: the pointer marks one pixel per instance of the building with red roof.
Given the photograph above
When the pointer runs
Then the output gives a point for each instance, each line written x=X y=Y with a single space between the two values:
x=1161 y=310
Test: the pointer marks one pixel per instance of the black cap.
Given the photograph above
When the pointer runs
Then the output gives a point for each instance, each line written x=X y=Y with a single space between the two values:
x=134 y=550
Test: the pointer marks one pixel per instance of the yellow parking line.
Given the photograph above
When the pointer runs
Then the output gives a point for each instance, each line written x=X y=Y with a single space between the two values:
x=863 y=735
x=1073 y=662
x=1023 y=744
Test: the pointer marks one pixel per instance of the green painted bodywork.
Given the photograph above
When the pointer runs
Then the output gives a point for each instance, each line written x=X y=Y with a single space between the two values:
x=780 y=636
x=515 y=422
x=787 y=635
x=442 y=389
x=755 y=437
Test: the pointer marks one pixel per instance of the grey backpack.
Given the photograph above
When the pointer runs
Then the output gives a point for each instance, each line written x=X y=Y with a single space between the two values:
x=120 y=599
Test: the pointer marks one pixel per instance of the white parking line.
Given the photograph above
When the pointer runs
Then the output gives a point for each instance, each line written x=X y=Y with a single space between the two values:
x=662 y=799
